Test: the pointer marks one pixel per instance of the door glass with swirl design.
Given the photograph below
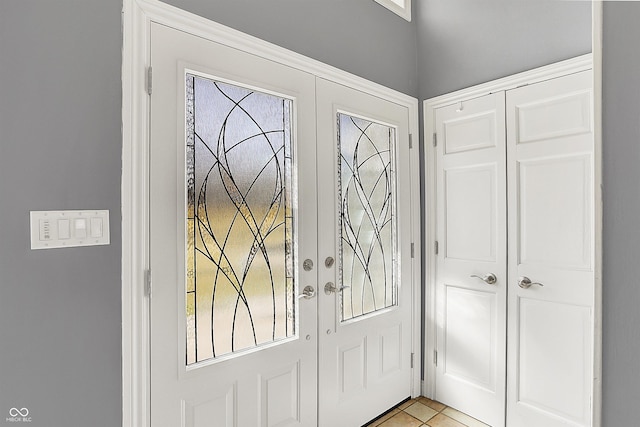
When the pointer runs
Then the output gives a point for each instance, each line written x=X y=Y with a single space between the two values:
x=240 y=225
x=367 y=216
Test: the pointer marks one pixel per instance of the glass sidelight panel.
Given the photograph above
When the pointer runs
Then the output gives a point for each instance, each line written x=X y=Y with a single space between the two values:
x=240 y=228
x=367 y=216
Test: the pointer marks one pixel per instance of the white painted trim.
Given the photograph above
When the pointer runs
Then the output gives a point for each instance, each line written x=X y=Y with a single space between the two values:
x=548 y=72
x=597 y=14
x=135 y=309
x=570 y=66
x=404 y=12
x=137 y=18
x=416 y=262
x=429 y=261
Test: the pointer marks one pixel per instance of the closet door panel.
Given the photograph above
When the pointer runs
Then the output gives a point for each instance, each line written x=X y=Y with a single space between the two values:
x=551 y=253
x=471 y=230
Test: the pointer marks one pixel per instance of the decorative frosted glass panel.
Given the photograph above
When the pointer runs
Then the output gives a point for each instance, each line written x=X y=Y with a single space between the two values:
x=240 y=247
x=366 y=194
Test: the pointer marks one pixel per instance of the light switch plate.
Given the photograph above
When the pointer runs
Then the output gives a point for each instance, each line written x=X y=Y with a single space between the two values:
x=64 y=229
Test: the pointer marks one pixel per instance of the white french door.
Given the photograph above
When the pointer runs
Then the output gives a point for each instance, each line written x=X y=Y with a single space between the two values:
x=472 y=260
x=249 y=326
x=365 y=297
x=229 y=208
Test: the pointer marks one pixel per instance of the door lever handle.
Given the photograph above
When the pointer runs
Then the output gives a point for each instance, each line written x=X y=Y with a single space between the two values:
x=489 y=278
x=525 y=283
x=308 y=292
x=330 y=288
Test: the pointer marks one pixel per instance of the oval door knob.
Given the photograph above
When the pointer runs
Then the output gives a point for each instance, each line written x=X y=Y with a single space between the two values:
x=489 y=278
x=525 y=283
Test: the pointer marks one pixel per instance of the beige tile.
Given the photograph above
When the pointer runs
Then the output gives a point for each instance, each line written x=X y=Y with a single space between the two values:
x=436 y=406
x=401 y=420
x=443 y=421
x=463 y=418
x=408 y=403
x=420 y=411
x=383 y=418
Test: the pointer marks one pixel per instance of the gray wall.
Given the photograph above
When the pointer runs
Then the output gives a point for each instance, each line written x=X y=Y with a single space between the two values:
x=358 y=36
x=61 y=148
x=621 y=155
x=466 y=42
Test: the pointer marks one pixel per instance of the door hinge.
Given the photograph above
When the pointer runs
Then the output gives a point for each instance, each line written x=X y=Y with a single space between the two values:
x=436 y=247
x=435 y=139
x=435 y=357
x=413 y=250
x=410 y=141
x=147 y=283
x=412 y=358
x=149 y=80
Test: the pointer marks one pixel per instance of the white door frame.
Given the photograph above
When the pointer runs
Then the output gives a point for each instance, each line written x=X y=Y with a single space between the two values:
x=580 y=63
x=137 y=18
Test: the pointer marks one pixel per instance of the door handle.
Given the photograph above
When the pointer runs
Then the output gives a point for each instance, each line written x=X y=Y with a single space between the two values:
x=489 y=278
x=525 y=283
x=330 y=288
x=308 y=292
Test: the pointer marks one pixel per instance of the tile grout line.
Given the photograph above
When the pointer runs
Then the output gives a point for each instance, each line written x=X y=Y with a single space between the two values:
x=401 y=408
x=424 y=423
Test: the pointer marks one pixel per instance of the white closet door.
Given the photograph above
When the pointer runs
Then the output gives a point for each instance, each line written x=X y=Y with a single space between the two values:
x=471 y=231
x=551 y=244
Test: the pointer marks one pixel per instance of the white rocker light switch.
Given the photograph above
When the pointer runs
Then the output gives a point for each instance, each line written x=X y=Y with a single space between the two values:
x=61 y=229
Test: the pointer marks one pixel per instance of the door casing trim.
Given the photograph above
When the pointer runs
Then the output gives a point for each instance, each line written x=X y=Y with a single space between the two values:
x=137 y=16
x=590 y=61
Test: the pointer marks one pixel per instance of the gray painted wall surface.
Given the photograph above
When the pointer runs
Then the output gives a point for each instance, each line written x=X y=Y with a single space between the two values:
x=61 y=148
x=621 y=155
x=462 y=43
x=358 y=36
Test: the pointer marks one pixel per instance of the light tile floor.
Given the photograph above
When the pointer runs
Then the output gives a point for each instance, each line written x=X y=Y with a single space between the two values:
x=424 y=412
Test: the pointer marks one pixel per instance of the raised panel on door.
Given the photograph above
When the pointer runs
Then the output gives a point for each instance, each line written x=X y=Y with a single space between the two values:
x=471 y=232
x=470 y=213
x=365 y=226
x=280 y=396
x=559 y=327
x=470 y=337
x=212 y=411
x=554 y=221
x=551 y=206
x=232 y=214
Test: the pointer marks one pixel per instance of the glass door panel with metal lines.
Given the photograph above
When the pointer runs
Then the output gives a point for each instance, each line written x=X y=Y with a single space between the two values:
x=367 y=217
x=240 y=240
